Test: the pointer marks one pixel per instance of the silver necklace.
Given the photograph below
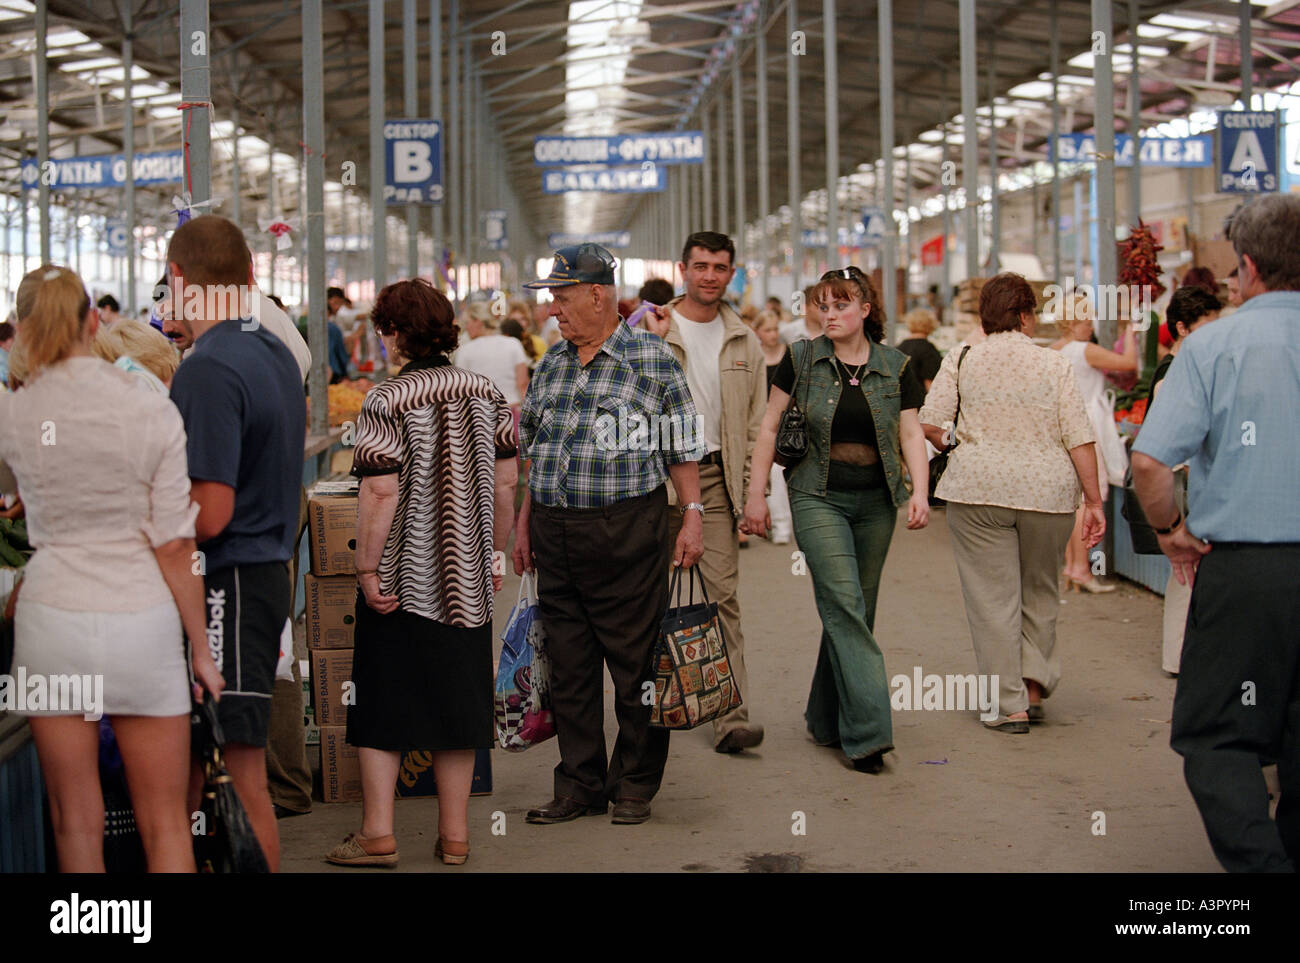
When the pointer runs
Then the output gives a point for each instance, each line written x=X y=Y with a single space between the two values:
x=853 y=378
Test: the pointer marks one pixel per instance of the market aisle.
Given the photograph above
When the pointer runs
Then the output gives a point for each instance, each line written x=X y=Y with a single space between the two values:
x=954 y=797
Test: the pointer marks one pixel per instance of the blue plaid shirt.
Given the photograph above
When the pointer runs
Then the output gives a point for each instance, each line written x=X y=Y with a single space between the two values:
x=607 y=431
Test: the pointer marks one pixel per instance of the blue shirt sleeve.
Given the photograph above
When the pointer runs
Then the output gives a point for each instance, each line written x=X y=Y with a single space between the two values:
x=338 y=351
x=213 y=409
x=1176 y=428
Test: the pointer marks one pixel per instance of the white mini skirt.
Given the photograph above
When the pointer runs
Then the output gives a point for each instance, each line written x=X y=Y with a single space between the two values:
x=135 y=661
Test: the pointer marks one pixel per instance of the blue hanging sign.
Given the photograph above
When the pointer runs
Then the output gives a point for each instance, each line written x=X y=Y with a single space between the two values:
x=1194 y=151
x=105 y=170
x=1247 y=155
x=643 y=179
x=115 y=237
x=873 y=225
x=494 y=230
x=680 y=147
x=413 y=162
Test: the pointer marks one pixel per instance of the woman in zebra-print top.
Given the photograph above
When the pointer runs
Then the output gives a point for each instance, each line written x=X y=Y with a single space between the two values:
x=435 y=451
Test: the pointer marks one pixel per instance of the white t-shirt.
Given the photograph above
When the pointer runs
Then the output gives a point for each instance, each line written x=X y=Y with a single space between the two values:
x=796 y=330
x=703 y=344
x=278 y=323
x=495 y=356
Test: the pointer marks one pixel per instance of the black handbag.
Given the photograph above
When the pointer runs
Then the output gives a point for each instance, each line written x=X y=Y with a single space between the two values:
x=1140 y=531
x=227 y=843
x=792 y=433
x=939 y=463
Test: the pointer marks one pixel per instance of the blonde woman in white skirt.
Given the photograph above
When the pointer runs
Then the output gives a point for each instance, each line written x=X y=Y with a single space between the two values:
x=113 y=588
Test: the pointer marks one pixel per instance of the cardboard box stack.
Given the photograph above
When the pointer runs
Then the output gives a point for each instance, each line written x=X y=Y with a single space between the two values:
x=331 y=590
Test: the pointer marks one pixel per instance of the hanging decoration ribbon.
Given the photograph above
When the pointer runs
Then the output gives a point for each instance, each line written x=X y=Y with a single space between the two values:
x=444 y=268
x=185 y=207
x=281 y=228
x=635 y=317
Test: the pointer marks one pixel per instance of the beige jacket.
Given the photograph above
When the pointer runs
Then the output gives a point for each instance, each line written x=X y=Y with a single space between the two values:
x=743 y=376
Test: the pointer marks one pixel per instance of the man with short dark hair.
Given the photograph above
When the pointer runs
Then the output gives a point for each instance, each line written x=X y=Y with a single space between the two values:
x=108 y=310
x=1228 y=406
x=240 y=394
x=727 y=374
x=594 y=525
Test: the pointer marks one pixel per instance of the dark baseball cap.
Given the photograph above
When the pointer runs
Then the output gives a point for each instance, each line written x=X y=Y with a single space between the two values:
x=580 y=264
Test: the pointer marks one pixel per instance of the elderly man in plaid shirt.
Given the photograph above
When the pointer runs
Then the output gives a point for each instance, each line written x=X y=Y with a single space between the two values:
x=608 y=418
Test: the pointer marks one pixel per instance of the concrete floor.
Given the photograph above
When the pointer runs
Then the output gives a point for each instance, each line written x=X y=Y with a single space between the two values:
x=953 y=798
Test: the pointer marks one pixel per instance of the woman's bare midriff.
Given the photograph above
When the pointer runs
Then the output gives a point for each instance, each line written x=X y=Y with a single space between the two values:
x=854 y=453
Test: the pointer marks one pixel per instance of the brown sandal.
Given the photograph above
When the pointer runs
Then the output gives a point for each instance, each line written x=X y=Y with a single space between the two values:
x=355 y=850
x=452 y=852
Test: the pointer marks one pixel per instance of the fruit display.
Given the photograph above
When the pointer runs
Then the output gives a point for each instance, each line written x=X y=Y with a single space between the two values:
x=345 y=400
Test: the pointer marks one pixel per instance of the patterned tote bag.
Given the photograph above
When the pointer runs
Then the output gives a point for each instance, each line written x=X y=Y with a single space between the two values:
x=690 y=670
x=523 y=687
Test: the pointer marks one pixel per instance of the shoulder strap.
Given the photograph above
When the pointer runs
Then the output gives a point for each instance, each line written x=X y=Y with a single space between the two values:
x=956 y=414
x=801 y=365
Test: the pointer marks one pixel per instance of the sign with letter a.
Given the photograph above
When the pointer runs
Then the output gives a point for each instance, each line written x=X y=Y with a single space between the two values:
x=1247 y=152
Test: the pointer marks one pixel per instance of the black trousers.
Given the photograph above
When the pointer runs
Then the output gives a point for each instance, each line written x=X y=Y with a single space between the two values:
x=602 y=584
x=1238 y=702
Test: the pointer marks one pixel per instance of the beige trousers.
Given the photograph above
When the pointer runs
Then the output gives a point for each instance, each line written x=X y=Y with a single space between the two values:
x=1008 y=561
x=1178 y=598
x=720 y=567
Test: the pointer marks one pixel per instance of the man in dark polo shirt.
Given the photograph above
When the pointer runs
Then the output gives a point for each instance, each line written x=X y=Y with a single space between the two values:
x=594 y=524
x=240 y=393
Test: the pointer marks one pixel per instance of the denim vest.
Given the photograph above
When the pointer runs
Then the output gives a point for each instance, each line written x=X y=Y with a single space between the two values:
x=818 y=393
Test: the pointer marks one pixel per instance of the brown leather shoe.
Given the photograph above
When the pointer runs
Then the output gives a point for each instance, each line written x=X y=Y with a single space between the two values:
x=630 y=812
x=562 y=809
x=737 y=740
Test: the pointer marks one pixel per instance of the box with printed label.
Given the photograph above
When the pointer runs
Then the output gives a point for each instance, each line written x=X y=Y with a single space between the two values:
x=415 y=776
x=332 y=690
x=331 y=610
x=332 y=524
x=340 y=766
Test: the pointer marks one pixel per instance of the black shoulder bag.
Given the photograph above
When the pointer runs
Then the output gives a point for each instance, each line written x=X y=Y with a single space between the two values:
x=939 y=463
x=792 y=433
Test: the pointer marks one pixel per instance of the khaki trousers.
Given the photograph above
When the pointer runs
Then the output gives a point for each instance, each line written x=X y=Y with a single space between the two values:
x=288 y=773
x=1178 y=598
x=720 y=567
x=1008 y=560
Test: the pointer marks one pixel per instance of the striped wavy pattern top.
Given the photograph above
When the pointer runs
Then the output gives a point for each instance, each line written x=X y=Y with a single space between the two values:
x=441 y=428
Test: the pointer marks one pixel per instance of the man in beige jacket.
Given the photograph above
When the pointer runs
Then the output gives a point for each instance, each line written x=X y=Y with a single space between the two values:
x=727 y=375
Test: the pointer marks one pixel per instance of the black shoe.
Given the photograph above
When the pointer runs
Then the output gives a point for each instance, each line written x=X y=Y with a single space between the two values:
x=629 y=812
x=562 y=809
x=737 y=740
x=873 y=763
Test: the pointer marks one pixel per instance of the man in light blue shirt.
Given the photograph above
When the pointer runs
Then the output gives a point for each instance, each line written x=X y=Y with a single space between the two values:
x=1230 y=406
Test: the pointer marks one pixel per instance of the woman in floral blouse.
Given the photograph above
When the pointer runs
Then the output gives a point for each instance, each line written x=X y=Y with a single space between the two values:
x=1024 y=448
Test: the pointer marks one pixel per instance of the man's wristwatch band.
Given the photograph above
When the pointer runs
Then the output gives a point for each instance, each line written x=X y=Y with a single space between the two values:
x=698 y=506
x=1173 y=525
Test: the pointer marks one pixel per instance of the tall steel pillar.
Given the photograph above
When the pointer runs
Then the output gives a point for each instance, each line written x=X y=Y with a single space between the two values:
x=995 y=202
x=888 y=271
x=724 y=222
x=236 y=183
x=794 y=195
x=1055 y=55
x=436 y=112
x=468 y=173
x=196 y=89
x=40 y=69
x=738 y=153
x=832 y=135
x=1135 y=118
x=128 y=152
x=1104 y=114
x=764 y=170
x=1247 y=54
x=379 y=240
x=313 y=135
x=706 y=171
x=455 y=228
x=271 y=200
x=411 y=104
x=970 y=172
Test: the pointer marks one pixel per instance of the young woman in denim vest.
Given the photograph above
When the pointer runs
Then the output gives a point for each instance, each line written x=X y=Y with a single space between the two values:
x=860 y=398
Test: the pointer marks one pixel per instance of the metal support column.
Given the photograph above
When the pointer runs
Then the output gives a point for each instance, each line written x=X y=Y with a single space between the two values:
x=272 y=203
x=738 y=154
x=970 y=175
x=995 y=205
x=1135 y=118
x=724 y=222
x=832 y=135
x=468 y=174
x=436 y=112
x=379 y=239
x=1247 y=55
x=794 y=195
x=411 y=104
x=236 y=184
x=764 y=172
x=1055 y=68
x=128 y=153
x=706 y=170
x=313 y=228
x=455 y=228
x=40 y=68
x=196 y=90
x=1104 y=114
x=888 y=269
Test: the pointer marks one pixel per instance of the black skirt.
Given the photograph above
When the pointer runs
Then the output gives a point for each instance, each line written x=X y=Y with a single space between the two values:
x=420 y=685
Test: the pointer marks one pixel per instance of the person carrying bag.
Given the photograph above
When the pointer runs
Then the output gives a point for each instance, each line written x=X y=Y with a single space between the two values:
x=523 y=687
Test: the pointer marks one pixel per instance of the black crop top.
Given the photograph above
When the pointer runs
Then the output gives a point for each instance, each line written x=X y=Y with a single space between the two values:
x=853 y=421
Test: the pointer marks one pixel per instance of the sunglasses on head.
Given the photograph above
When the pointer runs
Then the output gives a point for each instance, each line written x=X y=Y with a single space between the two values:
x=849 y=273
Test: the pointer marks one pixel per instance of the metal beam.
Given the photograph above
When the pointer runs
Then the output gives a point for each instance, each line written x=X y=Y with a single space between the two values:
x=196 y=91
x=313 y=135
x=794 y=191
x=970 y=137
x=379 y=227
x=832 y=104
x=1104 y=123
x=888 y=272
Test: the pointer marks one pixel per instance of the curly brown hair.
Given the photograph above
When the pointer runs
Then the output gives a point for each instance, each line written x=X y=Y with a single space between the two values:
x=418 y=315
x=853 y=284
x=1003 y=299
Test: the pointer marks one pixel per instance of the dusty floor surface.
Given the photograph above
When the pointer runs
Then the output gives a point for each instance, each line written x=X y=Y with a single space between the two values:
x=953 y=798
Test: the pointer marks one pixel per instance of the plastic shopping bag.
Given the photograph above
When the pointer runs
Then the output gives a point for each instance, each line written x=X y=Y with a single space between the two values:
x=523 y=689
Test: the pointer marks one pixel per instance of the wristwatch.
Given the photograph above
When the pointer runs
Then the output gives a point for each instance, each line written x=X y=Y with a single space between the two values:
x=698 y=506
x=1172 y=525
